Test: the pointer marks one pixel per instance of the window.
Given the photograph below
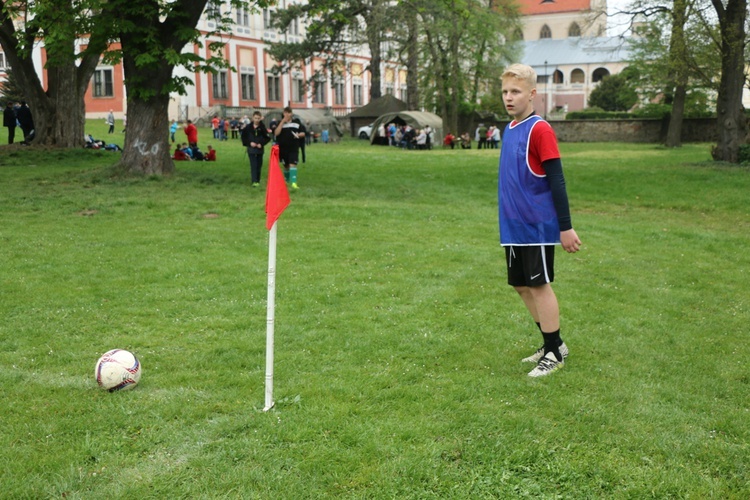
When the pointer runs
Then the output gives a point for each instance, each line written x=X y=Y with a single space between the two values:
x=574 y=30
x=403 y=93
x=557 y=77
x=247 y=81
x=577 y=76
x=320 y=92
x=357 y=94
x=389 y=88
x=338 y=91
x=294 y=27
x=599 y=74
x=103 y=83
x=267 y=19
x=545 y=32
x=298 y=88
x=242 y=17
x=213 y=10
x=220 y=85
x=274 y=84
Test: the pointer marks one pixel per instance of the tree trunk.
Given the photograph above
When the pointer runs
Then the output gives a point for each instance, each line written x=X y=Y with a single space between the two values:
x=58 y=112
x=65 y=125
x=678 y=73
x=731 y=121
x=412 y=62
x=674 y=131
x=375 y=60
x=450 y=122
x=146 y=150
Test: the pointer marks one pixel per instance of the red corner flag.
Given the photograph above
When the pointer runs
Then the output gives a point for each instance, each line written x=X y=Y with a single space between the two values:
x=277 y=196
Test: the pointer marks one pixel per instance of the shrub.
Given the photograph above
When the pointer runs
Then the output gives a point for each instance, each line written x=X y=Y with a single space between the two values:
x=597 y=114
x=744 y=154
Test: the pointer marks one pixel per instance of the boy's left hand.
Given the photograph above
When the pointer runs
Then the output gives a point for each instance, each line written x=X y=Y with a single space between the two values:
x=570 y=241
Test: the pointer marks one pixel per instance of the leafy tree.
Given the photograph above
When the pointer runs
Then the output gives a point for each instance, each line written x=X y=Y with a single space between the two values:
x=673 y=67
x=10 y=89
x=58 y=111
x=465 y=45
x=153 y=35
x=333 y=30
x=732 y=122
x=614 y=93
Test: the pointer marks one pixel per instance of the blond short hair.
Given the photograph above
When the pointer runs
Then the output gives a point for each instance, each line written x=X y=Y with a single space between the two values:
x=521 y=72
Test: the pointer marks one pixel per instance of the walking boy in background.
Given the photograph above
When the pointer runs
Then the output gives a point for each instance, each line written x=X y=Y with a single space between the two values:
x=288 y=133
x=111 y=122
x=533 y=212
x=254 y=138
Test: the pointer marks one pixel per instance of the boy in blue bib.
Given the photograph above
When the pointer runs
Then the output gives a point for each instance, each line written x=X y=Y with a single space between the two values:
x=533 y=212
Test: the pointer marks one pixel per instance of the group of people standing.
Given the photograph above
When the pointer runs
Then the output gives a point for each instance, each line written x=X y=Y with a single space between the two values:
x=289 y=133
x=223 y=126
x=408 y=137
x=18 y=115
x=487 y=137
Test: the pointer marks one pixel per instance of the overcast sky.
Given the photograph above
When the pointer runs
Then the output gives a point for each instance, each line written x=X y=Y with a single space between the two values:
x=616 y=25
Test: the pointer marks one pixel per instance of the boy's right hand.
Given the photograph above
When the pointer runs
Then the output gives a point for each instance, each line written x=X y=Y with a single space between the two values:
x=570 y=241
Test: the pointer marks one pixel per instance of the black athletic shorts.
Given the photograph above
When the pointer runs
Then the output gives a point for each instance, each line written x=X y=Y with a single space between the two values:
x=289 y=156
x=530 y=265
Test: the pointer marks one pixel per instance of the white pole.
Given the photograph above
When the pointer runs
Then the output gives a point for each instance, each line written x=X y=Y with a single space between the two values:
x=270 y=316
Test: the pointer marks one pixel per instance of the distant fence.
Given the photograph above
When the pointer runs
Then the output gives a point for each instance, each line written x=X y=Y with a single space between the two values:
x=632 y=130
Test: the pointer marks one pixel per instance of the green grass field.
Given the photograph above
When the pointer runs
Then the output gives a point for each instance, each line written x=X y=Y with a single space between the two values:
x=398 y=343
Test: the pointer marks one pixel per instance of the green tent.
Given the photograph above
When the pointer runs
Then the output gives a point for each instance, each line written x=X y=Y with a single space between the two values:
x=369 y=112
x=416 y=119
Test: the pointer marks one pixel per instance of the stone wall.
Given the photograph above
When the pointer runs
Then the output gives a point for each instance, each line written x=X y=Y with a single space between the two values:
x=645 y=130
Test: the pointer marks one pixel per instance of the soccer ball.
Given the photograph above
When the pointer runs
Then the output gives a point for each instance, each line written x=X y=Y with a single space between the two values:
x=117 y=370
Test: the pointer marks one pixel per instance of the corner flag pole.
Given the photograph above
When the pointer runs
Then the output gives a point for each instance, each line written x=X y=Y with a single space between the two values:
x=277 y=199
x=270 y=316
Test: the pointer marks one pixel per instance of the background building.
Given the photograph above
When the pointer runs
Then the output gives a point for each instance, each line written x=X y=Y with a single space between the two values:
x=565 y=42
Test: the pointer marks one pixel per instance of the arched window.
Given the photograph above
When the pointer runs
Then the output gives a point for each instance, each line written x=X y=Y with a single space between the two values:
x=574 y=29
x=557 y=77
x=545 y=32
x=577 y=76
x=599 y=74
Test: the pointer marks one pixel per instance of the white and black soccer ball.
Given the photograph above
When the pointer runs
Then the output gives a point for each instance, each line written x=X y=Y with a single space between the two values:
x=117 y=370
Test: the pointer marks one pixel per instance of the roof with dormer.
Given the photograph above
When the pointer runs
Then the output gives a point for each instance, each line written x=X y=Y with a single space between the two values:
x=574 y=50
x=533 y=7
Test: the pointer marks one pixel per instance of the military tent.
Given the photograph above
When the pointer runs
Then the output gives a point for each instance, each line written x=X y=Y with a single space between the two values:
x=369 y=112
x=315 y=120
x=416 y=119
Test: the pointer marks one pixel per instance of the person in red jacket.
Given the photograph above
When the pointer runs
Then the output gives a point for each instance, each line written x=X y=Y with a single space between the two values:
x=192 y=134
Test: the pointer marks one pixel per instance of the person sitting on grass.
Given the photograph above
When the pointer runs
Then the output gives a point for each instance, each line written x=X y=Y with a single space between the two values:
x=188 y=150
x=449 y=141
x=210 y=155
x=180 y=154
